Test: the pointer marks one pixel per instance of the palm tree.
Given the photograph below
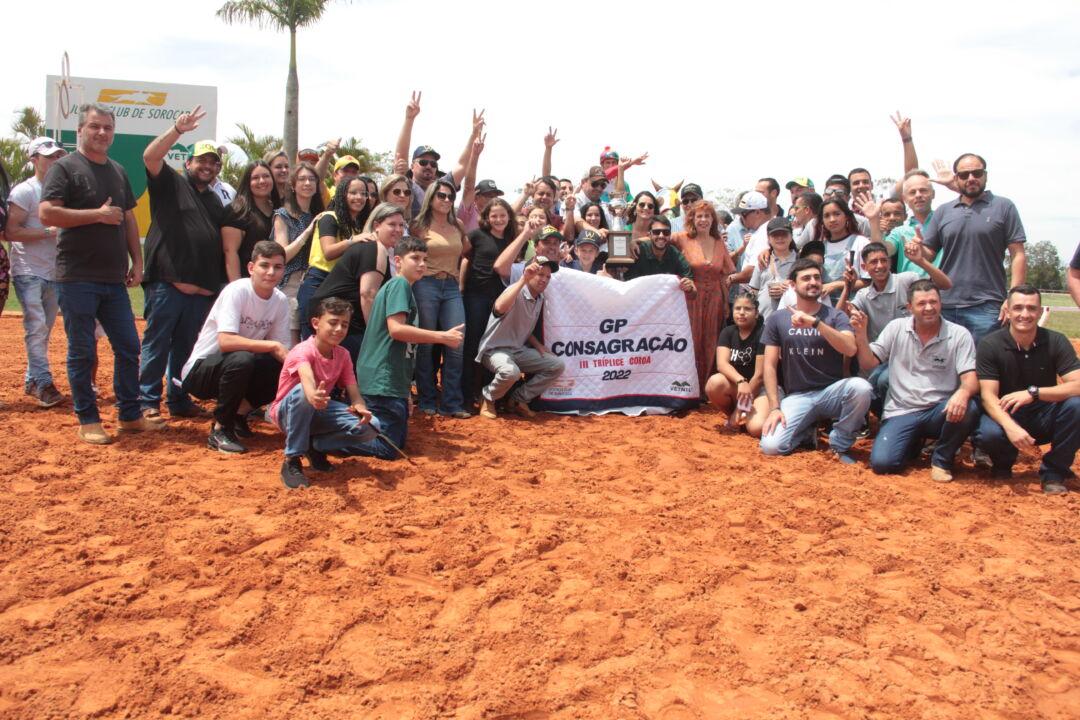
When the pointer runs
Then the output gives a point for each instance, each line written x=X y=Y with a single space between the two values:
x=281 y=15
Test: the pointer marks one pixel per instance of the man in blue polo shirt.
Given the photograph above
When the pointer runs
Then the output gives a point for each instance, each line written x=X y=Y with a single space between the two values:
x=973 y=233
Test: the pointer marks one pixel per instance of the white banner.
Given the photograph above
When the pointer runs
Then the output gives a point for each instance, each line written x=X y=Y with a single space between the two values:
x=627 y=345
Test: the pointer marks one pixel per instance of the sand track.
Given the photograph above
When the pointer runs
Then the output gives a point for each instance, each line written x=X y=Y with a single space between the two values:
x=564 y=568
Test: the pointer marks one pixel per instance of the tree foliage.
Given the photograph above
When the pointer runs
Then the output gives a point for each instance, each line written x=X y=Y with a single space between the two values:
x=1044 y=269
x=26 y=126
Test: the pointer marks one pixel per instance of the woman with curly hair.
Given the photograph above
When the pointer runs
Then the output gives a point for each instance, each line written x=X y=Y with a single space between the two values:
x=703 y=246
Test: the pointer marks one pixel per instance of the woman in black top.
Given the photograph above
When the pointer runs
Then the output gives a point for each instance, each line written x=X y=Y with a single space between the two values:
x=249 y=218
x=736 y=387
x=361 y=271
x=482 y=284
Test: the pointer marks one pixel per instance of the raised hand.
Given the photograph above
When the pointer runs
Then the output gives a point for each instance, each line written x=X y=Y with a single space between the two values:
x=534 y=225
x=945 y=175
x=866 y=204
x=903 y=124
x=478 y=122
x=551 y=139
x=530 y=188
x=331 y=146
x=413 y=108
x=110 y=214
x=478 y=144
x=858 y=321
x=190 y=120
x=570 y=202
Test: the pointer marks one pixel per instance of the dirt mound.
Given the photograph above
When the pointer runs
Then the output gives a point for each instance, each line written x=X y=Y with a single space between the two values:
x=567 y=567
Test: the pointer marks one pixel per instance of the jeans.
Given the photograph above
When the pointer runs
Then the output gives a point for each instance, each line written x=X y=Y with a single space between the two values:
x=440 y=307
x=312 y=280
x=108 y=303
x=39 y=301
x=332 y=430
x=173 y=321
x=231 y=378
x=845 y=400
x=900 y=437
x=1057 y=423
x=509 y=363
x=879 y=381
x=980 y=320
x=478 y=304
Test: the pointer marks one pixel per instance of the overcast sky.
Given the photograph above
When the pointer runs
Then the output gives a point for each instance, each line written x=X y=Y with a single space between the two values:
x=717 y=93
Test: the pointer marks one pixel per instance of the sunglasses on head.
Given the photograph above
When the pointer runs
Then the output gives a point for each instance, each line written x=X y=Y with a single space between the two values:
x=659 y=232
x=965 y=174
x=444 y=195
x=428 y=163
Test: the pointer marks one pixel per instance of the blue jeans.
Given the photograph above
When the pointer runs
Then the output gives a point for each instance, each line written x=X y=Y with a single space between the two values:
x=900 y=437
x=331 y=430
x=478 y=306
x=879 y=381
x=980 y=320
x=312 y=280
x=109 y=304
x=1057 y=423
x=845 y=401
x=173 y=320
x=440 y=307
x=40 y=302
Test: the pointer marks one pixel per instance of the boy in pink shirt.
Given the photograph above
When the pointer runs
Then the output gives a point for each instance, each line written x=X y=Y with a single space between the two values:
x=315 y=425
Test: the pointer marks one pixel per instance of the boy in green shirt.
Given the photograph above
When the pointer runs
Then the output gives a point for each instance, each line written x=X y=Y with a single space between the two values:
x=384 y=367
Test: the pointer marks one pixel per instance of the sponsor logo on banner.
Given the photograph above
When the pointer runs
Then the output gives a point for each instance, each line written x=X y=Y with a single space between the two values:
x=627 y=347
x=132 y=97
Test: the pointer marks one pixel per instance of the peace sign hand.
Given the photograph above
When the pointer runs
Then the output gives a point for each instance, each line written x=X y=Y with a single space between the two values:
x=190 y=120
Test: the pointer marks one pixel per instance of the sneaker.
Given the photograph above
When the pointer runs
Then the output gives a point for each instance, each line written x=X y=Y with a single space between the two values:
x=460 y=415
x=28 y=387
x=522 y=409
x=981 y=459
x=48 y=396
x=224 y=441
x=317 y=460
x=864 y=432
x=142 y=424
x=845 y=458
x=940 y=474
x=153 y=415
x=94 y=434
x=1054 y=486
x=241 y=427
x=487 y=409
x=292 y=473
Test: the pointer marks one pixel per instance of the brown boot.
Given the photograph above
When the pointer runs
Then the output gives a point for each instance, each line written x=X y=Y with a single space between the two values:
x=487 y=409
x=522 y=409
x=94 y=434
x=139 y=425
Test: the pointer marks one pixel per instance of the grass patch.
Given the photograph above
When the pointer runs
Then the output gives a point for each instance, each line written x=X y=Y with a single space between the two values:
x=1057 y=300
x=135 y=293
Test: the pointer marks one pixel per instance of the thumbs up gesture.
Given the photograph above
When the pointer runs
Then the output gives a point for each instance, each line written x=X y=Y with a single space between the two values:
x=109 y=214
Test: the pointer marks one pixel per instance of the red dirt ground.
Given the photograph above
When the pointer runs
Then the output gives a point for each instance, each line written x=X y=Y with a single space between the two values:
x=564 y=568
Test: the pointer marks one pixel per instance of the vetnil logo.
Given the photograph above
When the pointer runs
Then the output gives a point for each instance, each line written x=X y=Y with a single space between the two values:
x=680 y=386
x=180 y=152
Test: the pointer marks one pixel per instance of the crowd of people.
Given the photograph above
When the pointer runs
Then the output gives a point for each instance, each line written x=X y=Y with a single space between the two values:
x=323 y=299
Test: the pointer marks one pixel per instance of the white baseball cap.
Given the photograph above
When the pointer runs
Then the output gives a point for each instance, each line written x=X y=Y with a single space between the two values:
x=752 y=200
x=44 y=146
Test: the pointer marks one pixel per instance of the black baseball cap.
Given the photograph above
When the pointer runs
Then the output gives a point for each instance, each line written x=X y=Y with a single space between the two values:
x=488 y=186
x=779 y=224
x=691 y=189
x=425 y=150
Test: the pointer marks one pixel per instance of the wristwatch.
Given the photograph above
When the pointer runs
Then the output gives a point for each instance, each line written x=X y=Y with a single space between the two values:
x=1033 y=390
x=817 y=321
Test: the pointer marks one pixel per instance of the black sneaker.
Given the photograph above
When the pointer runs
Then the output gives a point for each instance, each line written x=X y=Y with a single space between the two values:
x=47 y=396
x=224 y=441
x=292 y=473
x=318 y=461
x=241 y=427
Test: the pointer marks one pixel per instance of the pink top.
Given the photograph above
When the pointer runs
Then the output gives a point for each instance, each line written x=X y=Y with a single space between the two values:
x=334 y=370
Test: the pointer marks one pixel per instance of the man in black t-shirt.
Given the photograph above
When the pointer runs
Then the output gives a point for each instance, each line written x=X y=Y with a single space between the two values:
x=185 y=264
x=89 y=198
x=1024 y=405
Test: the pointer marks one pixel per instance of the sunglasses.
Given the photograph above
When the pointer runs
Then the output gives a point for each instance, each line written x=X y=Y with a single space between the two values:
x=428 y=163
x=646 y=206
x=599 y=184
x=444 y=195
x=400 y=192
x=690 y=200
x=659 y=232
x=835 y=191
x=965 y=174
